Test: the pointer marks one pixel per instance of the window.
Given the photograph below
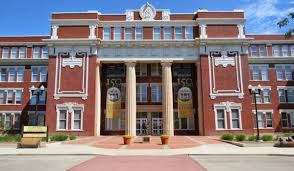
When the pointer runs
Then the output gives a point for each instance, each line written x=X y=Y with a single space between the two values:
x=155 y=69
x=167 y=33
x=290 y=93
x=255 y=72
x=36 y=53
x=288 y=72
x=3 y=74
x=43 y=74
x=260 y=119
x=62 y=120
x=282 y=96
x=77 y=119
x=115 y=123
x=264 y=72
x=33 y=99
x=13 y=52
x=2 y=100
x=284 y=120
x=7 y=120
x=258 y=96
x=5 y=53
x=106 y=33
x=178 y=33
x=128 y=33
x=32 y=119
x=285 y=50
x=142 y=93
x=269 y=119
x=253 y=50
x=11 y=74
x=10 y=97
x=181 y=123
x=141 y=70
x=35 y=74
x=157 y=33
x=262 y=50
x=156 y=93
x=36 y=118
x=276 y=50
x=117 y=33
x=45 y=52
x=221 y=122
x=42 y=98
x=18 y=96
x=279 y=71
x=287 y=119
x=16 y=121
x=235 y=119
x=139 y=33
x=292 y=50
x=20 y=72
x=22 y=52
x=266 y=96
x=189 y=33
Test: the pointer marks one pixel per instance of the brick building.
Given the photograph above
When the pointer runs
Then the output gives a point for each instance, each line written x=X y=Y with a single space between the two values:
x=147 y=71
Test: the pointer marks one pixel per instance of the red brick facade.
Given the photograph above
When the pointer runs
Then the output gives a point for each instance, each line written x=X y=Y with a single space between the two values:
x=209 y=48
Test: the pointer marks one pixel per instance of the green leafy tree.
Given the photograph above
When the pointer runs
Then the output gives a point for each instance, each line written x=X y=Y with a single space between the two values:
x=285 y=21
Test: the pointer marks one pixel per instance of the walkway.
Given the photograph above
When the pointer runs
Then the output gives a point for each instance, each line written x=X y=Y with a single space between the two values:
x=116 y=142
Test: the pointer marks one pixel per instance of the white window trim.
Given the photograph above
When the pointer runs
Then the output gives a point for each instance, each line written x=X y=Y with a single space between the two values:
x=115 y=33
x=11 y=52
x=175 y=33
x=286 y=111
x=57 y=119
x=6 y=91
x=103 y=37
x=7 y=53
x=265 y=49
x=12 y=115
x=139 y=84
x=263 y=111
x=164 y=37
x=136 y=33
x=252 y=51
x=25 y=52
x=216 y=118
x=125 y=33
x=192 y=33
x=72 y=118
x=240 y=118
x=42 y=53
x=156 y=84
x=153 y=35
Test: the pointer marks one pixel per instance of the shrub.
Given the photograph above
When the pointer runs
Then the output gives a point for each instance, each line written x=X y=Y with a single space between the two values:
x=228 y=137
x=58 y=137
x=251 y=138
x=240 y=137
x=267 y=137
x=9 y=138
x=72 y=137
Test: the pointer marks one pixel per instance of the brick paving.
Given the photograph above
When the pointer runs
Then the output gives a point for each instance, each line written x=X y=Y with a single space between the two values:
x=116 y=142
x=142 y=163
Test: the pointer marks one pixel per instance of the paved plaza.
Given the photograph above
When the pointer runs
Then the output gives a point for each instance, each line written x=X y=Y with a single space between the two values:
x=116 y=142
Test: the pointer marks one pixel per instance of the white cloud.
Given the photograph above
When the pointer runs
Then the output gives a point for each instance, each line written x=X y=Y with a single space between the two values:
x=263 y=15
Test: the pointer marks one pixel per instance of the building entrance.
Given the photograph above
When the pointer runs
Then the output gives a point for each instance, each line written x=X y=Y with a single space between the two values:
x=149 y=123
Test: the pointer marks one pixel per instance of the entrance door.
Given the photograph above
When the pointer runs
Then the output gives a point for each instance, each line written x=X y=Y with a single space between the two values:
x=141 y=124
x=157 y=126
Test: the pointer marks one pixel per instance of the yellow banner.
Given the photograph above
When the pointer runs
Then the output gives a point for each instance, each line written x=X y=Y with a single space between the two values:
x=113 y=103
x=185 y=102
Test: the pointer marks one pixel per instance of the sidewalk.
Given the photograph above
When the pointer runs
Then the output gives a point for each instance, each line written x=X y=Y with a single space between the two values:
x=208 y=149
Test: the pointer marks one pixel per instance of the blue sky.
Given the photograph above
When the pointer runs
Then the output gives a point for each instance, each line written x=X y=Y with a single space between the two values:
x=31 y=17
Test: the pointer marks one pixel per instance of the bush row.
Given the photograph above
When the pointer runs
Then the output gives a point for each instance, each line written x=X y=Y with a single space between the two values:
x=62 y=137
x=9 y=138
x=242 y=137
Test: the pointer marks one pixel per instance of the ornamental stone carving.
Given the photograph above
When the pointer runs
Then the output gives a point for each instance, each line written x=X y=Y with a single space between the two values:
x=147 y=12
x=129 y=15
x=165 y=15
x=72 y=61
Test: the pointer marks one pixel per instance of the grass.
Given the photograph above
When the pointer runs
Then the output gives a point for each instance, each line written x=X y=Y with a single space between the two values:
x=9 y=138
x=58 y=137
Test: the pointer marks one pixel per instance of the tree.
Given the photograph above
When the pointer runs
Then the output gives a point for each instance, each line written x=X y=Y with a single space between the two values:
x=284 y=22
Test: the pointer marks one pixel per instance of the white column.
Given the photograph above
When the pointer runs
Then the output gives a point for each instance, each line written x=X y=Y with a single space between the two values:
x=203 y=34
x=167 y=99
x=131 y=104
x=97 y=100
x=241 y=31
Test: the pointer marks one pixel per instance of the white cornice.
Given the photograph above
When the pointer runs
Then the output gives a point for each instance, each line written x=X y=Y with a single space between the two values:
x=206 y=21
x=84 y=22
x=82 y=41
x=270 y=41
x=29 y=44
x=225 y=41
x=149 y=23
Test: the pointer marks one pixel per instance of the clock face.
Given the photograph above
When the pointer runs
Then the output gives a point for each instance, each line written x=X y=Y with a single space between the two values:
x=113 y=94
x=185 y=94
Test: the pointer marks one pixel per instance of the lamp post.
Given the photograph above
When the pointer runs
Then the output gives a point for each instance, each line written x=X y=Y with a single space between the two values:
x=37 y=92
x=252 y=91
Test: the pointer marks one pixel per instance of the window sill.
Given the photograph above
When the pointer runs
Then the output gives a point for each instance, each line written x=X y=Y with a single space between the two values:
x=10 y=104
x=260 y=80
x=262 y=103
x=263 y=128
x=229 y=129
